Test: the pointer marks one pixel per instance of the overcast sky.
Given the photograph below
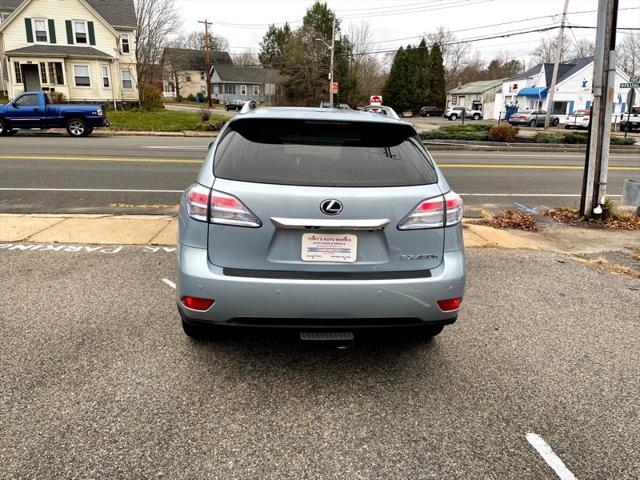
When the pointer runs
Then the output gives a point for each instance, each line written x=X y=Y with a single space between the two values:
x=244 y=22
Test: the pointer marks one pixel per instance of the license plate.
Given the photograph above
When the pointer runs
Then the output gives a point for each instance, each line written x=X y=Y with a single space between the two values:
x=329 y=247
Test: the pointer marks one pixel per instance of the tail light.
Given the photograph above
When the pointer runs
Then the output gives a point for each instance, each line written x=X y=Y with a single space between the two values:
x=434 y=212
x=208 y=205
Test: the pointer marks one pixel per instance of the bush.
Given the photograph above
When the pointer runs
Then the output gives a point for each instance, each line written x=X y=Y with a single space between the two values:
x=456 y=133
x=622 y=141
x=574 y=138
x=503 y=133
x=191 y=98
x=205 y=114
x=58 y=97
x=150 y=97
x=200 y=97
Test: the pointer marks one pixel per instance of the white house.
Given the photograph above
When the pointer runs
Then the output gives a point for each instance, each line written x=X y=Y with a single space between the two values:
x=483 y=95
x=84 y=49
x=529 y=90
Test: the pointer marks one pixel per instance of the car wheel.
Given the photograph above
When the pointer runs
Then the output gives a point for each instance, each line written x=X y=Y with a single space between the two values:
x=76 y=127
x=476 y=117
x=567 y=127
x=427 y=114
x=555 y=122
x=3 y=129
x=88 y=131
x=453 y=117
x=197 y=332
x=532 y=123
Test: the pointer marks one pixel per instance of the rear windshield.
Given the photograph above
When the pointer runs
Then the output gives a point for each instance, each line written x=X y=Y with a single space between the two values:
x=322 y=153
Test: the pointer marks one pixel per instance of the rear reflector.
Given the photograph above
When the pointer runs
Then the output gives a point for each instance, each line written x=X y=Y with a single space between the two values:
x=195 y=303
x=450 y=304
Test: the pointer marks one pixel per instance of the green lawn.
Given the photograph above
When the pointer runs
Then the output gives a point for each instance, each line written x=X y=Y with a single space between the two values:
x=161 y=121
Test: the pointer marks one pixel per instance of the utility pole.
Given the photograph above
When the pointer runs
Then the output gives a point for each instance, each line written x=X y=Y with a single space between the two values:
x=207 y=59
x=333 y=49
x=594 y=183
x=554 y=78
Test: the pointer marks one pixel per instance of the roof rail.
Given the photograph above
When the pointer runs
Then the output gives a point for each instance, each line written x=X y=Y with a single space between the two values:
x=248 y=106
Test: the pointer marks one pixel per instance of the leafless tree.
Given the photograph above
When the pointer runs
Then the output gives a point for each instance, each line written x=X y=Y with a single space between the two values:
x=545 y=52
x=156 y=19
x=195 y=41
x=455 y=55
x=367 y=70
x=582 y=47
x=245 y=59
x=629 y=54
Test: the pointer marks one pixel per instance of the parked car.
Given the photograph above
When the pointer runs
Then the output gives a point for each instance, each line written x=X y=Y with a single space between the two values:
x=455 y=113
x=382 y=110
x=431 y=112
x=534 y=118
x=631 y=120
x=37 y=110
x=234 y=105
x=578 y=119
x=319 y=221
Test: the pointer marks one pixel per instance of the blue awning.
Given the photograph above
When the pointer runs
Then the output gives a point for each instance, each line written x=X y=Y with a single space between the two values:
x=539 y=92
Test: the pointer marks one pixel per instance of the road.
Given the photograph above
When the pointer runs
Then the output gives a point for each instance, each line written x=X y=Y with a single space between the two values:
x=46 y=174
x=98 y=380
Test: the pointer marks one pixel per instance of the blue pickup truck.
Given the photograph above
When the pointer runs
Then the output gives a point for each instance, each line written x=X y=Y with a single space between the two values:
x=36 y=110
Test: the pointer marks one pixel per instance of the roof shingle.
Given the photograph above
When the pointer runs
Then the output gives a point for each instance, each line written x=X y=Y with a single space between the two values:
x=65 y=51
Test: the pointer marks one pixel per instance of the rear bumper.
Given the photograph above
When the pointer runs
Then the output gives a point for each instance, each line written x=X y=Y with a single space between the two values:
x=245 y=301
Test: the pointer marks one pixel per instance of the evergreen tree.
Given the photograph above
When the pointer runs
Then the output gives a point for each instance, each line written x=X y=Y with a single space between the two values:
x=423 y=75
x=437 y=96
x=274 y=44
x=393 y=92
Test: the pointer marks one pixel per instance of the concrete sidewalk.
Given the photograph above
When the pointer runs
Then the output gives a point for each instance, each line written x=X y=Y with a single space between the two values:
x=162 y=230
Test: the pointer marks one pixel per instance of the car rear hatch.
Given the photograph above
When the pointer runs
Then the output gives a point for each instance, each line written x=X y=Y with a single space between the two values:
x=306 y=197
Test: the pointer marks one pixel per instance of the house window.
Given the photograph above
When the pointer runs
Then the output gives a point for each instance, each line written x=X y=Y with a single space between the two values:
x=124 y=43
x=43 y=72
x=229 y=89
x=80 y=31
x=16 y=67
x=243 y=89
x=256 y=89
x=127 y=80
x=202 y=76
x=105 y=76
x=81 y=75
x=216 y=90
x=55 y=73
x=40 y=30
x=187 y=78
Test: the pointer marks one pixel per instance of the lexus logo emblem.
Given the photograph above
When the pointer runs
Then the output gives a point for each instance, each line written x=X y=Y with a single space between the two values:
x=331 y=207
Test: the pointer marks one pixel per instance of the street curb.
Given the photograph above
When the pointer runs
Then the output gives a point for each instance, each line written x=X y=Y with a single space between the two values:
x=520 y=147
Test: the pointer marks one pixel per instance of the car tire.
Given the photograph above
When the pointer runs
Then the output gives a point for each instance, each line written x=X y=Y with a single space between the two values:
x=427 y=115
x=453 y=117
x=532 y=123
x=555 y=122
x=567 y=127
x=196 y=332
x=3 y=128
x=476 y=117
x=77 y=127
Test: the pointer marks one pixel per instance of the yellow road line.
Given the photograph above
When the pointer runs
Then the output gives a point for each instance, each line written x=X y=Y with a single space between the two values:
x=176 y=160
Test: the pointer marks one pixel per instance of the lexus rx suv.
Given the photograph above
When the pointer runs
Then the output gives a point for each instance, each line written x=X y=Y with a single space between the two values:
x=319 y=220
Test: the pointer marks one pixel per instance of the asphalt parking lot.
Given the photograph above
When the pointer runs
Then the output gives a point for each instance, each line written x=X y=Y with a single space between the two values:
x=98 y=381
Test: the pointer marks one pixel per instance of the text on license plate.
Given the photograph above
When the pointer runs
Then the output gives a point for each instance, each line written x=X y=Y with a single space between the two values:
x=329 y=247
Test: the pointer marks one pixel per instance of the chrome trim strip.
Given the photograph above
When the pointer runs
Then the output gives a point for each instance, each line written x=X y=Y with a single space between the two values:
x=329 y=224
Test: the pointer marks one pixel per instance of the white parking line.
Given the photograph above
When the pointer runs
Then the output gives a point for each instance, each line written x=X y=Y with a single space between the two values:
x=550 y=457
x=169 y=282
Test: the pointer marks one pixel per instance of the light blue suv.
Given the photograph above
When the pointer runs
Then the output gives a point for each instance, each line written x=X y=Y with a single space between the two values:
x=319 y=220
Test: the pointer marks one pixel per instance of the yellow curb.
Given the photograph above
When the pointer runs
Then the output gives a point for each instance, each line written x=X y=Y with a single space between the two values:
x=107 y=231
x=492 y=237
x=16 y=228
x=168 y=235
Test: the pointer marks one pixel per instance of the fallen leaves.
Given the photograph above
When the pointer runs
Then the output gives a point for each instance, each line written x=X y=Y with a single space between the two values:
x=509 y=219
x=571 y=216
